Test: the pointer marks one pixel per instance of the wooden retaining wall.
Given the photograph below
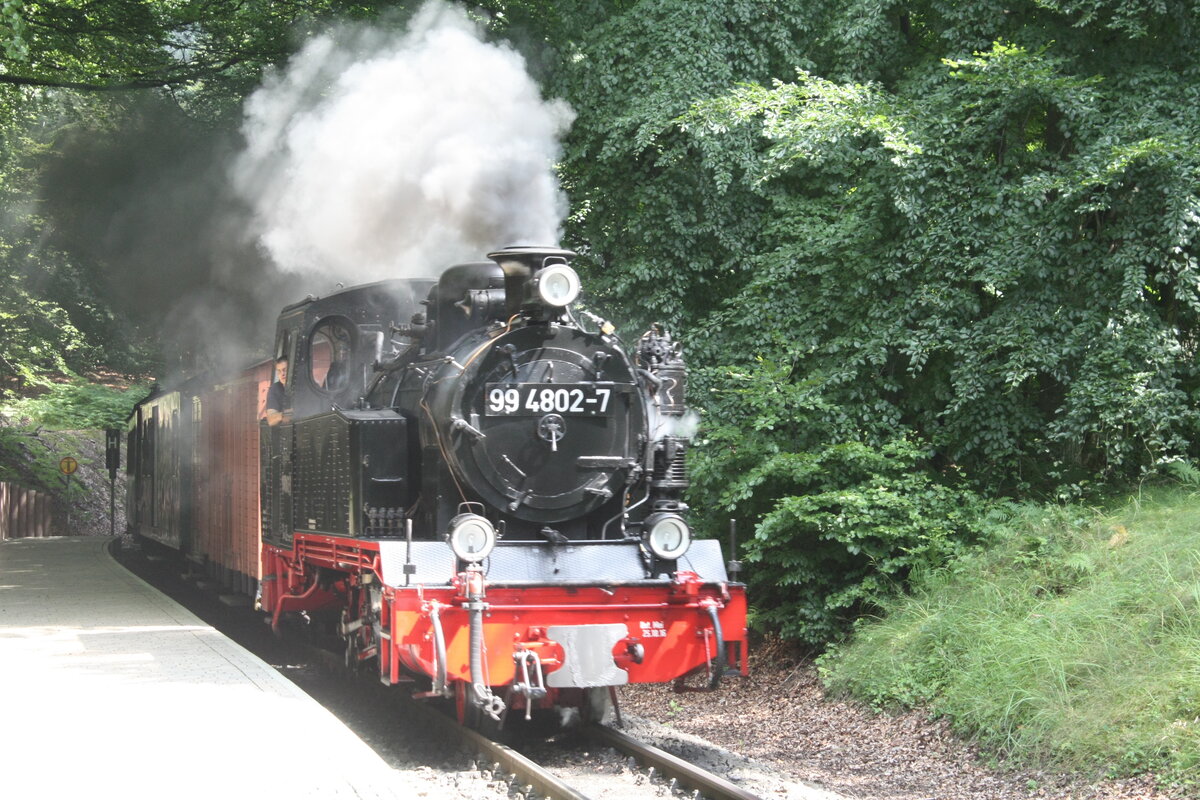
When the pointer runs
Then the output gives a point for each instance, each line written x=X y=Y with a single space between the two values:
x=23 y=512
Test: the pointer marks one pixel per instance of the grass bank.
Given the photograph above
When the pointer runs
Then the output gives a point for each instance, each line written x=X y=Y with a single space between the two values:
x=1072 y=641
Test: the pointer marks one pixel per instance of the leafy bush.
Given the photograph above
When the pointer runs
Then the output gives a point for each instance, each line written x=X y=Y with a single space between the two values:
x=36 y=335
x=1072 y=640
x=840 y=519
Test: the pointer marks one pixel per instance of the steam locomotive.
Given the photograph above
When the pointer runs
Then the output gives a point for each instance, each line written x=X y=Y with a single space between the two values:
x=483 y=492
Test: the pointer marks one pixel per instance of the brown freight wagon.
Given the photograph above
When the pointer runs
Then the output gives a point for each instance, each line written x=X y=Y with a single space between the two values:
x=195 y=441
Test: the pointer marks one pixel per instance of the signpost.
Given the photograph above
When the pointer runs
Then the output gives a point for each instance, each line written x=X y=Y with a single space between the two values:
x=112 y=460
x=67 y=466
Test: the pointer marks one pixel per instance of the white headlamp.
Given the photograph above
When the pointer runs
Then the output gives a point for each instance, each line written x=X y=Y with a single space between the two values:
x=667 y=535
x=558 y=285
x=471 y=537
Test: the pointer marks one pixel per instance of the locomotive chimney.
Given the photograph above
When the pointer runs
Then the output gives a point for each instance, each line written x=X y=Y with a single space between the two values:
x=521 y=265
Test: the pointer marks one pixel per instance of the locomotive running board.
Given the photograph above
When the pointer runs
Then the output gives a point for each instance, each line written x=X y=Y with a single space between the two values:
x=526 y=563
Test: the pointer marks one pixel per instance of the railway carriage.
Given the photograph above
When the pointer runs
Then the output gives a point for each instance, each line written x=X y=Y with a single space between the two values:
x=484 y=493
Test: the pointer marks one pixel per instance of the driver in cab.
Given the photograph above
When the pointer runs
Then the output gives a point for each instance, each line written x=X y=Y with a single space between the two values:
x=275 y=402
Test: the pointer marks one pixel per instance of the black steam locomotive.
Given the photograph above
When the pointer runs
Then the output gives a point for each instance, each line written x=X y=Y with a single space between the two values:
x=486 y=492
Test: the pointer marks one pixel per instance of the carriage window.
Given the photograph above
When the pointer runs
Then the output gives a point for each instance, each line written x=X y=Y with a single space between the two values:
x=329 y=355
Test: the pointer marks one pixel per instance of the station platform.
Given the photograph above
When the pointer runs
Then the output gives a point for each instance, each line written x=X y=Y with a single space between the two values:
x=110 y=688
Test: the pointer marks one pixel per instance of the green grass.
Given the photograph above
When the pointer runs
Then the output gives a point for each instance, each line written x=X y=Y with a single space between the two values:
x=1072 y=641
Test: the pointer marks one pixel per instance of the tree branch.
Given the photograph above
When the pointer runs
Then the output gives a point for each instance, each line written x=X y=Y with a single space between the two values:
x=19 y=80
x=135 y=83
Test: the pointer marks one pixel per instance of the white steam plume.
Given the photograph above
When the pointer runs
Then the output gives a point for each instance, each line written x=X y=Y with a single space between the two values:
x=376 y=156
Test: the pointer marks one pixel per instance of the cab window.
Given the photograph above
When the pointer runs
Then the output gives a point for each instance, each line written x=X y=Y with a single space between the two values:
x=329 y=355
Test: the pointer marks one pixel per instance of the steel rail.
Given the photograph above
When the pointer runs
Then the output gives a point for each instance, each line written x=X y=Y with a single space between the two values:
x=527 y=771
x=711 y=786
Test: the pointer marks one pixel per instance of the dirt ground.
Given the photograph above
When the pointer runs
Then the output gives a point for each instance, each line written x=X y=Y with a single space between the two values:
x=781 y=717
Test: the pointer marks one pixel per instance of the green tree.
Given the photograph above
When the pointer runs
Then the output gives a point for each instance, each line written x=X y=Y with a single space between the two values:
x=1018 y=242
x=657 y=232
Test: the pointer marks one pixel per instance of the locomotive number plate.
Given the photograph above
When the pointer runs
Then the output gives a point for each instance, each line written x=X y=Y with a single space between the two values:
x=528 y=399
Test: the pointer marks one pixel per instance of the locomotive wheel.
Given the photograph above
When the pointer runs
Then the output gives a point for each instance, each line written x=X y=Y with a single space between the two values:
x=363 y=639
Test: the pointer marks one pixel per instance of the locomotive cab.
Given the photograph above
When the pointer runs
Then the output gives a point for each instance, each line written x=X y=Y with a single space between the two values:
x=337 y=466
x=333 y=344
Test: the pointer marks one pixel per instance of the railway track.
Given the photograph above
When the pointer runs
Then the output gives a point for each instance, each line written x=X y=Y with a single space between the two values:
x=531 y=779
x=705 y=783
x=661 y=773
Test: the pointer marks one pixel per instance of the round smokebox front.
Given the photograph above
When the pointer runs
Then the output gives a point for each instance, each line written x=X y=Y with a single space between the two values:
x=549 y=425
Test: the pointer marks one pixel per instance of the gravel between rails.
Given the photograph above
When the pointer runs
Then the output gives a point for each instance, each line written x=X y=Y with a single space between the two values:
x=781 y=721
x=596 y=772
x=601 y=771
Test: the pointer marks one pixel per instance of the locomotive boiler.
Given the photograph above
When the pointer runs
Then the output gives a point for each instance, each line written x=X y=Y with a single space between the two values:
x=484 y=491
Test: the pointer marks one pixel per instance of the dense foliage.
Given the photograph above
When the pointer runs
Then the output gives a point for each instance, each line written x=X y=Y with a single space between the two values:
x=840 y=521
x=1019 y=244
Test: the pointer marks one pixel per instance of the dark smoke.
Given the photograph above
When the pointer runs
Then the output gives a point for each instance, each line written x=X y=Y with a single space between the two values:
x=148 y=211
x=372 y=155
